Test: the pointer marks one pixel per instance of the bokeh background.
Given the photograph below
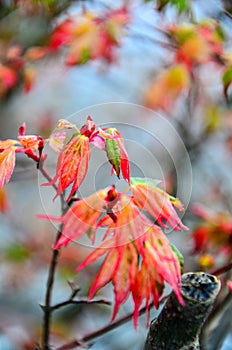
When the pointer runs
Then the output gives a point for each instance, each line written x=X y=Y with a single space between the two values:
x=185 y=143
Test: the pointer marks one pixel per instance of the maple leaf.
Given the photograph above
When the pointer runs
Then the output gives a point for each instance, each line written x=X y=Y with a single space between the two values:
x=81 y=218
x=27 y=144
x=8 y=79
x=139 y=259
x=7 y=161
x=62 y=35
x=167 y=87
x=227 y=80
x=91 y=36
x=31 y=144
x=73 y=159
x=199 y=43
x=72 y=165
x=56 y=141
x=213 y=233
x=156 y=202
x=116 y=152
x=3 y=201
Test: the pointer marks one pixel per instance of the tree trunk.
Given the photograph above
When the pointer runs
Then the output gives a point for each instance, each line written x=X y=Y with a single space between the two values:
x=178 y=327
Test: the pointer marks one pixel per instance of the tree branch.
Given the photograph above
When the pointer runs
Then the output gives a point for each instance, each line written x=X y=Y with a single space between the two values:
x=80 y=301
x=47 y=307
x=222 y=269
x=51 y=273
x=91 y=336
x=178 y=327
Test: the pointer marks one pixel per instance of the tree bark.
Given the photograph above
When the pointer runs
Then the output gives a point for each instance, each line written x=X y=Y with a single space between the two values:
x=178 y=327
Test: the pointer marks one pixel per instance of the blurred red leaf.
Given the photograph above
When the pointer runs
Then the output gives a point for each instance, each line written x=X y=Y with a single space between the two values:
x=8 y=79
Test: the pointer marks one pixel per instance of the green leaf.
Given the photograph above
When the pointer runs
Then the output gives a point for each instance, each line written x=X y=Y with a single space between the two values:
x=227 y=76
x=84 y=56
x=227 y=80
x=113 y=154
x=179 y=256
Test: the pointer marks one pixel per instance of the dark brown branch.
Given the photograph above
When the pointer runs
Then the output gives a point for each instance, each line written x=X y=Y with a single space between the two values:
x=47 y=307
x=78 y=302
x=178 y=327
x=218 y=325
x=91 y=336
x=51 y=273
x=222 y=269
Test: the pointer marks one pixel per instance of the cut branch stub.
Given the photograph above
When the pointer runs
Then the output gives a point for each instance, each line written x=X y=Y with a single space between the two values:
x=178 y=327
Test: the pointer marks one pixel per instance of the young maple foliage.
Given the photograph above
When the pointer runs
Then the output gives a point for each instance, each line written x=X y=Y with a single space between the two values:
x=3 y=201
x=194 y=45
x=89 y=36
x=197 y=44
x=31 y=145
x=139 y=259
x=84 y=36
x=167 y=87
x=73 y=160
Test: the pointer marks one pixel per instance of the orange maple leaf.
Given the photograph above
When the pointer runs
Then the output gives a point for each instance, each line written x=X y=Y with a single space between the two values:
x=81 y=218
x=167 y=87
x=156 y=202
x=72 y=165
x=137 y=252
x=198 y=43
x=3 y=201
x=7 y=161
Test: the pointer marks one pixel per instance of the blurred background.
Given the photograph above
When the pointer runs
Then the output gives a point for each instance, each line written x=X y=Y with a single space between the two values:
x=159 y=71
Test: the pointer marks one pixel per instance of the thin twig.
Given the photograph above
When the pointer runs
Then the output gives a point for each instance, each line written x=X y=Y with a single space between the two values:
x=47 y=308
x=89 y=337
x=80 y=301
x=46 y=175
x=222 y=269
x=51 y=273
